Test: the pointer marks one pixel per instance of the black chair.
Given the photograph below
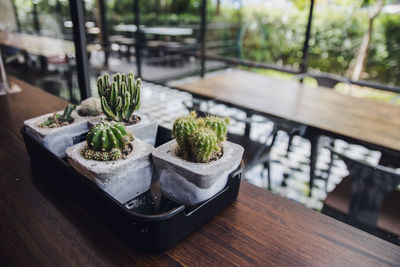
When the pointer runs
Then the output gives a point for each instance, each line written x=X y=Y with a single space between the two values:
x=291 y=128
x=367 y=198
x=295 y=129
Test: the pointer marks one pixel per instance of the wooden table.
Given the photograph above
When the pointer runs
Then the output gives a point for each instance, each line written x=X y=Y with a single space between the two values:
x=168 y=31
x=39 y=45
x=45 y=223
x=368 y=120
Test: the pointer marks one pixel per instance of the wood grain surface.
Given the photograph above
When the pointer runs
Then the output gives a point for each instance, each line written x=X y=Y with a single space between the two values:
x=39 y=45
x=44 y=223
x=368 y=120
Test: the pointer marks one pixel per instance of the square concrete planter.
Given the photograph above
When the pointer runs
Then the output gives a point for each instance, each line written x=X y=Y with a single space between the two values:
x=145 y=129
x=123 y=179
x=57 y=140
x=191 y=183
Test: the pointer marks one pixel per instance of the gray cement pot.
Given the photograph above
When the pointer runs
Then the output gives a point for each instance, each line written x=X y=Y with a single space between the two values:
x=191 y=183
x=145 y=130
x=123 y=179
x=57 y=140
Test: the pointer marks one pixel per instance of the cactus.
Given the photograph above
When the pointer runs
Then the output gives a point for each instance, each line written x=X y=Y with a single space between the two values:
x=204 y=144
x=218 y=125
x=107 y=141
x=182 y=129
x=120 y=98
x=58 y=120
x=199 y=139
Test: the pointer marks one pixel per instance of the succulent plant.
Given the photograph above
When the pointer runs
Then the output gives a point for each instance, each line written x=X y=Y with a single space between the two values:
x=107 y=141
x=120 y=98
x=218 y=125
x=204 y=144
x=90 y=107
x=182 y=129
x=58 y=120
x=199 y=139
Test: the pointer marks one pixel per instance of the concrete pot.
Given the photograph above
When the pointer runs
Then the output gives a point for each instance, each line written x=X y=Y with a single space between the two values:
x=123 y=179
x=191 y=183
x=145 y=130
x=57 y=140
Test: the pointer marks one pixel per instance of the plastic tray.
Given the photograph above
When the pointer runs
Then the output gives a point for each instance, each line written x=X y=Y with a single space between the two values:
x=136 y=221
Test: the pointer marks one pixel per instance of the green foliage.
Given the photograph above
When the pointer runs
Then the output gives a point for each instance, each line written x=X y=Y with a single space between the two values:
x=383 y=63
x=58 y=120
x=107 y=141
x=276 y=35
x=335 y=41
x=120 y=98
x=199 y=139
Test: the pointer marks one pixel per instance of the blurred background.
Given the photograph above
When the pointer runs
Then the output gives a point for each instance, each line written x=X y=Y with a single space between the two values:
x=265 y=36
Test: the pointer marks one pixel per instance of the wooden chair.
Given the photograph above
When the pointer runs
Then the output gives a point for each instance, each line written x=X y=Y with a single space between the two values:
x=367 y=198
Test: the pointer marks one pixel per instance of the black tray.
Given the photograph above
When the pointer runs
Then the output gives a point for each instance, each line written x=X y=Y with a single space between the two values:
x=136 y=221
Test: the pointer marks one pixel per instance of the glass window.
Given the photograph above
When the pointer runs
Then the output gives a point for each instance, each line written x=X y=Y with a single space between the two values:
x=37 y=45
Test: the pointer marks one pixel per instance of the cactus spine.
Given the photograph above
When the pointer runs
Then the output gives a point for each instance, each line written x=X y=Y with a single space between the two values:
x=58 y=120
x=199 y=139
x=218 y=125
x=107 y=141
x=204 y=144
x=120 y=98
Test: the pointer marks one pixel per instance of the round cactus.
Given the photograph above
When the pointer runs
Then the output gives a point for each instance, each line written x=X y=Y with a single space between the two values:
x=204 y=144
x=107 y=141
x=218 y=125
x=182 y=129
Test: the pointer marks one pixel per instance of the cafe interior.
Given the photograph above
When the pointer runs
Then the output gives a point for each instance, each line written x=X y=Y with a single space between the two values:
x=200 y=132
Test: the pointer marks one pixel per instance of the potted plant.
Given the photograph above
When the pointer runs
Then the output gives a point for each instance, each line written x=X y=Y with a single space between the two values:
x=116 y=161
x=120 y=101
x=89 y=109
x=196 y=164
x=57 y=131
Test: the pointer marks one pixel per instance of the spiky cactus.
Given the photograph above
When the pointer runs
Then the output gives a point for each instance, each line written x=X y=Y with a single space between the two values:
x=204 y=145
x=107 y=141
x=199 y=139
x=218 y=125
x=120 y=98
x=182 y=129
x=58 y=120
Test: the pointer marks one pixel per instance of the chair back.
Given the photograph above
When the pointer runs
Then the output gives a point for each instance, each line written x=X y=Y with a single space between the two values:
x=324 y=79
x=369 y=185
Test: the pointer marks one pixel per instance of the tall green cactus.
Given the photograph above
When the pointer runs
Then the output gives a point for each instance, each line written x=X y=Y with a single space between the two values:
x=107 y=141
x=199 y=139
x=120 y=98
x=182 y=129
x=58 y=120
x=204 y=144
x=218 y=125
